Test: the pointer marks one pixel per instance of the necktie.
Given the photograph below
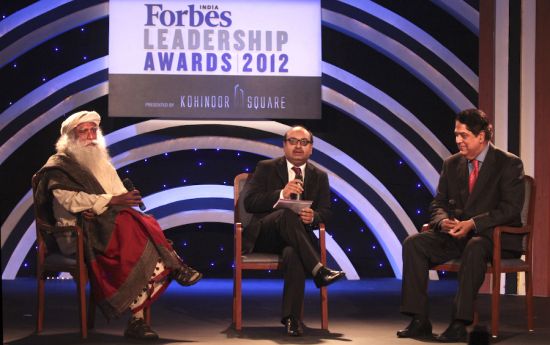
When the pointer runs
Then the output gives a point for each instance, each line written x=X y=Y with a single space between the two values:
x=473 y=175
x=298 y=173
x=299 y=176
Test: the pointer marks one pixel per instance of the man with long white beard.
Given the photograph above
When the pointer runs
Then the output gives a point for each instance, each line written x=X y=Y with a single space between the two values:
x=130 y=262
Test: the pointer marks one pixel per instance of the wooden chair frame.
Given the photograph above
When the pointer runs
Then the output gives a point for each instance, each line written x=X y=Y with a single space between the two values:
x=262 y=261
x=499 y=265
x=56 y=262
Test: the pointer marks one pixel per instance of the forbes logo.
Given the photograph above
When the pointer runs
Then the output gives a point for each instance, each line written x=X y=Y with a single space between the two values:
x=157 y=15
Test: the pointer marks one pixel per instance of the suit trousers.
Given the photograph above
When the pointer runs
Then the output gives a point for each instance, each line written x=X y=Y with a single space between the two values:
x=426 y=249
x=282 y=232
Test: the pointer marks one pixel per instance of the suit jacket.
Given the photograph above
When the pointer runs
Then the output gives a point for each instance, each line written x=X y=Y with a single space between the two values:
x=263 y=191
x=497 y=197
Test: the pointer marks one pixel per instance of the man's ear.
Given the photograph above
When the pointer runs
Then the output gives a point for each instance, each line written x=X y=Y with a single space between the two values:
x=481 y=136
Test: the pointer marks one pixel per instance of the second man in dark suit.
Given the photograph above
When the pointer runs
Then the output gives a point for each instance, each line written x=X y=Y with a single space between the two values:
x=284 y=232
x=480 y=187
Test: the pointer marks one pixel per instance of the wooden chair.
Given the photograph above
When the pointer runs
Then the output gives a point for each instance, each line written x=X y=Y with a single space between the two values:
x=500 y=265
x=50 y=259
x=262 y=261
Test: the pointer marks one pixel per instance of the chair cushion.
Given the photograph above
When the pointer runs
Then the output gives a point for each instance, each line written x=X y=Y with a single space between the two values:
x=451 y=262
x=261 y=257
x=512 y=263
x=59 y=262
x=504 y=263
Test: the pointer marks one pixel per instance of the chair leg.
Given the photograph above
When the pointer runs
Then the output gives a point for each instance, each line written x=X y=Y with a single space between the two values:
x=40 y=306
x=529 y=300
x=81 y=292
x=475 y=321
x=233 y=301
x=237 y=299
x=91 y=310
x=147 y=315
x=324 y=307
x=495 y=304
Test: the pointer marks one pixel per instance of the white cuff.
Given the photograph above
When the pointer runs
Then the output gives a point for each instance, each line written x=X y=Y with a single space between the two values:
x=101 y=203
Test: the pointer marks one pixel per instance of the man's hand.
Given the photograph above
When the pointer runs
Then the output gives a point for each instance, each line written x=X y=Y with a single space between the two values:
x=307 y=214
x=448 y=224
x=132 y=198
x=462 y=228
x=293 y=187
x=88 y=215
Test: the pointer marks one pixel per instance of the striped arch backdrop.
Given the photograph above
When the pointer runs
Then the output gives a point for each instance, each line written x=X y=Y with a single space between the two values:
x=394 y=75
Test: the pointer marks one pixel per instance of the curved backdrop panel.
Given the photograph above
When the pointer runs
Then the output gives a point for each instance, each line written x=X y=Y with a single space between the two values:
x=388 y=110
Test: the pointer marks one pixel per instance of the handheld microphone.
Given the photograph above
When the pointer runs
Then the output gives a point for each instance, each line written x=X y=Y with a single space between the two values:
x=130 y=187
x=298 y=196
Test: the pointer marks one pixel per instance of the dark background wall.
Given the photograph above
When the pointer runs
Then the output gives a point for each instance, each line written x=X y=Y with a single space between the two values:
x=208 y=246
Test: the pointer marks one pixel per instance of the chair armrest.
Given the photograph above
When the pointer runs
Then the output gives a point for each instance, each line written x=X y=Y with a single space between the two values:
x=79 y=238
x=513 y=229
x=238 y=242
x=80 y=252
x=44 y=229
x=497 y=235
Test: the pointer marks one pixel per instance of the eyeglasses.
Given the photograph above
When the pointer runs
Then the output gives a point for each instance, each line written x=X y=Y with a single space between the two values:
x=294 y=141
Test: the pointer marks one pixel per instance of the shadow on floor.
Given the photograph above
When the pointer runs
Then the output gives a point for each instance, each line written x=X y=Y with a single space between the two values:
x=278 y=335
x=93 y=338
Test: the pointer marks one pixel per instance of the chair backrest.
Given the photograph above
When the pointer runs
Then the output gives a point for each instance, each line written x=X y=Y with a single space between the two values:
x=528 y=211
x=43 y=215
x=239 y=193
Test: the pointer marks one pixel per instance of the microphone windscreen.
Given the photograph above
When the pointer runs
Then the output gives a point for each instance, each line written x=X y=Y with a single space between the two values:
x=128 y=184
x=130 y=187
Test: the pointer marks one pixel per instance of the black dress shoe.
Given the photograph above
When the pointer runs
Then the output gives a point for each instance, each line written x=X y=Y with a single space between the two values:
x=138 y=329
x=418 y=328
x=455 y=333
x=293 y=326
x=325 y=276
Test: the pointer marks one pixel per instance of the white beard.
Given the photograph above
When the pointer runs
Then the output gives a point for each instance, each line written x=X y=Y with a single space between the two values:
x=94 y=158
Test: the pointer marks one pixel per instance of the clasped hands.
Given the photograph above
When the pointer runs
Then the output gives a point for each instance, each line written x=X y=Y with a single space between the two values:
x=457 y=228
x=132 y=198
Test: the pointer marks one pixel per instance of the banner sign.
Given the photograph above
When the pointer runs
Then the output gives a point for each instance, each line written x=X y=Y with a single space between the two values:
x=225 y=59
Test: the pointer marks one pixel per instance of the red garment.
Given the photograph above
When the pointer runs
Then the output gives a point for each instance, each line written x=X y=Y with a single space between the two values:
x=127 y=259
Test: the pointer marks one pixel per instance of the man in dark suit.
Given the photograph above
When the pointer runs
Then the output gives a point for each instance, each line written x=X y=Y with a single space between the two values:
x=284 y=232
x=480 y=187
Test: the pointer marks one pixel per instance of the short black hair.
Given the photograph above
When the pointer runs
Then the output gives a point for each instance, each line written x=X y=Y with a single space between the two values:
x=307 y=130
x=476 y=121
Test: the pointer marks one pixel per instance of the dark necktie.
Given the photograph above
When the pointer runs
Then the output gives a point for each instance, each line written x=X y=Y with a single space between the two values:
x=298 y=173
x=299 y=176
x=473 y=175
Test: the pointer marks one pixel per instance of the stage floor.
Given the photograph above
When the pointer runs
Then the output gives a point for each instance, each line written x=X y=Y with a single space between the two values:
x=360 y=312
